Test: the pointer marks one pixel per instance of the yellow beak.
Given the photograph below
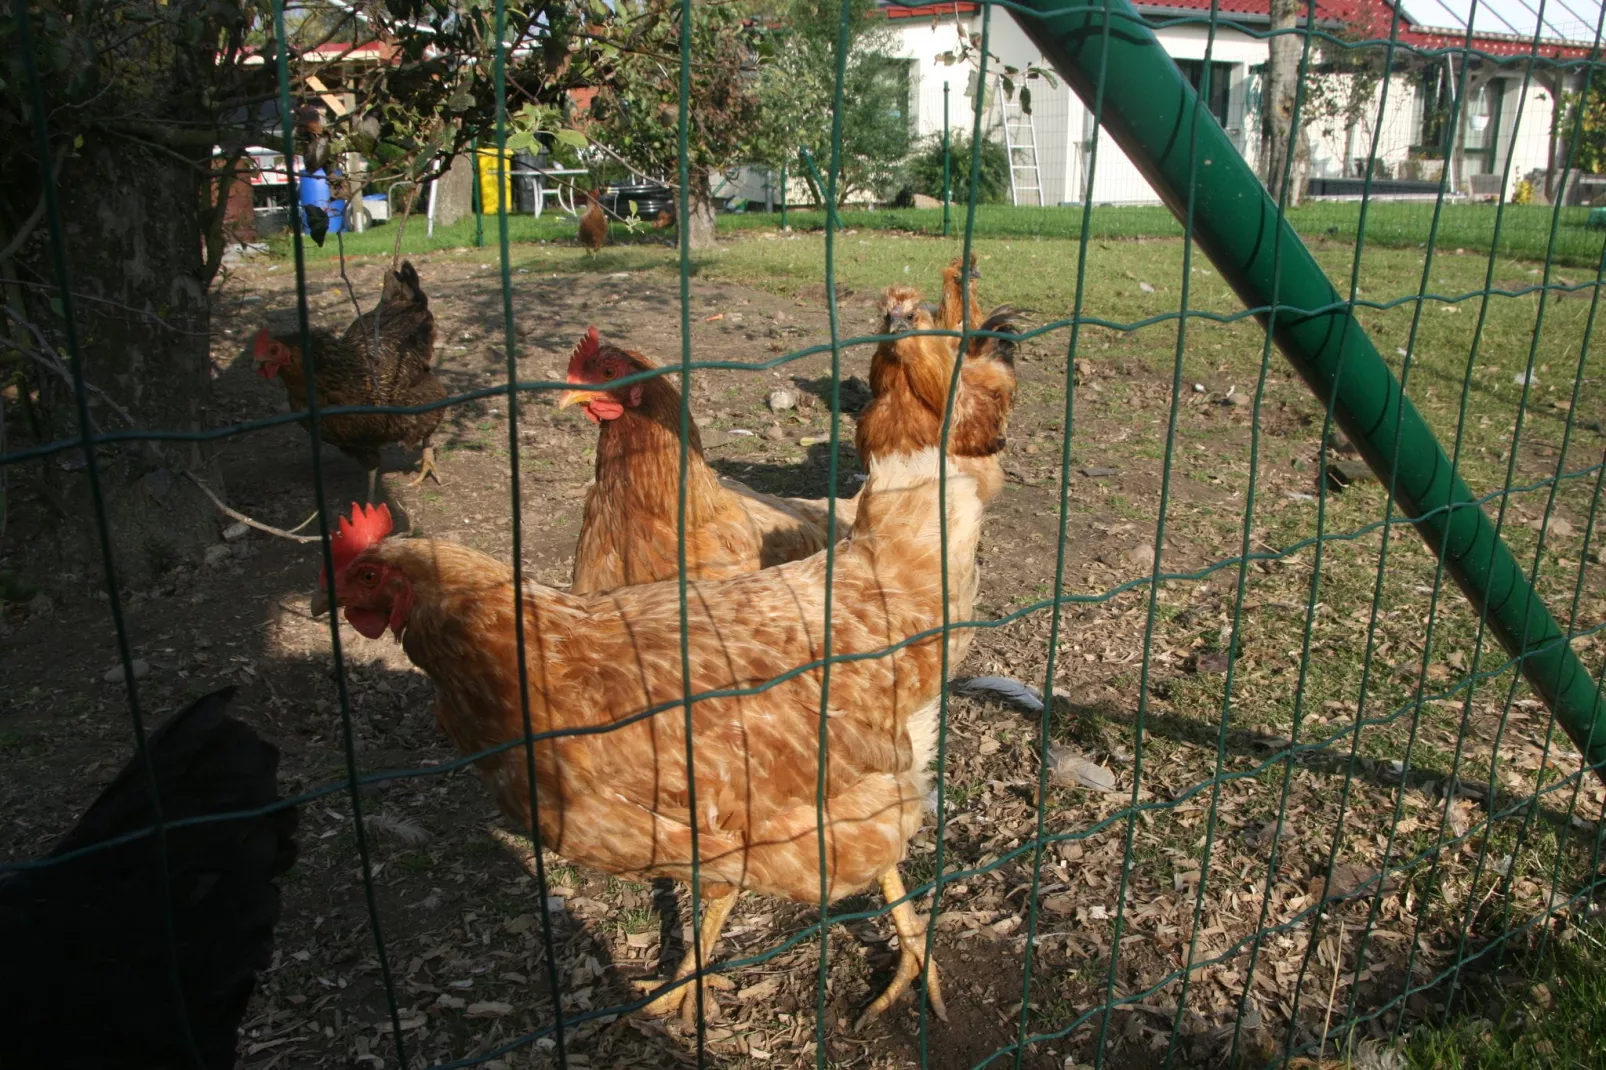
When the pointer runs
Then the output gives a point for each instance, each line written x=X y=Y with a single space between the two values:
x=575 y=397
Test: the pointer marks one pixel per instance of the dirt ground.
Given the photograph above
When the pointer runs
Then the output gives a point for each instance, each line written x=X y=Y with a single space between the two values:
x=460 y=921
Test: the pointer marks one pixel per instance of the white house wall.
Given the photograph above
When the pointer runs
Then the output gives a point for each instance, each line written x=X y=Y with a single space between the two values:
x=1062 y=124
x=1527 y=138
x=1399 y=129
x=1064 y=127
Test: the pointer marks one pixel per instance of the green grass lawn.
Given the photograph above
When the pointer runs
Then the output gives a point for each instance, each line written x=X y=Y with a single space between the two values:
x=1525 y=230
x=1544 y=1014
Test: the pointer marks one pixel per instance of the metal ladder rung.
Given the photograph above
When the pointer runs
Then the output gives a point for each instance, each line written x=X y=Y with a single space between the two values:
x=1020 y=136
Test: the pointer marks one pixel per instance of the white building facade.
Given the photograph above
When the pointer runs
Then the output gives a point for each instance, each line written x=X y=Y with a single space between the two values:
x=1509 y=108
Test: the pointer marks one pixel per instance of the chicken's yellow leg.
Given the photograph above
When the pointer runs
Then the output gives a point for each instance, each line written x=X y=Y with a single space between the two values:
x=427 y=469
x=911 y=954
x=684 y=998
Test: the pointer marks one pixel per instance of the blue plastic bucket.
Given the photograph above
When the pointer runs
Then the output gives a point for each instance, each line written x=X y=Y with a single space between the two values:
x=314 y=189
x=337 y=216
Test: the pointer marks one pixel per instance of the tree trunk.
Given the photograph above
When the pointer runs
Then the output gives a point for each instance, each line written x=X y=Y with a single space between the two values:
x=1282 y=84
x=134 y=251
x=700 y=206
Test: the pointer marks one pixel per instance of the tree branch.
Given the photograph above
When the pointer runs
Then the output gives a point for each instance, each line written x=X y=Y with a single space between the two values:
x=38 y=213
x=235 y=514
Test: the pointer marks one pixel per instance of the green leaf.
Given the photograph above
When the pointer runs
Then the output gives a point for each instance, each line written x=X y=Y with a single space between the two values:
x=523 y=141
x=1025 y=100
x=573 y=138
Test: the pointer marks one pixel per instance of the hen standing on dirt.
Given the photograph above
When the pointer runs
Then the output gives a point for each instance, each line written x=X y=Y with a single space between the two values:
x=594 y=224
x=621 y=799
x=632 y=514
x=383 y=358
x=85 y=974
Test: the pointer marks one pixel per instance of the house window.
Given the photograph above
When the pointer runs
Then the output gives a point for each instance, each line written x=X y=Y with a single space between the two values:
x=1220 y=84
x=1436 y=94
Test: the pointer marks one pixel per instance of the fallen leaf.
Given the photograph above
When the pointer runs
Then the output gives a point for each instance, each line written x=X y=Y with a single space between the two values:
x=491 y=1008
x=760 y=991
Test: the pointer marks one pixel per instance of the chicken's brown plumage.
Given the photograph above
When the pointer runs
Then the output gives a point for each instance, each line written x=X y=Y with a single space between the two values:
x=594 y=224
x=632 y=513
x=910 y=377
x=383 y=358
x=958 y=279
x=619 y=800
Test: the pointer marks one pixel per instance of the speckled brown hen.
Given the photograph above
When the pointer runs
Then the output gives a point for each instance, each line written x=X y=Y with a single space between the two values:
x=620 y=800
x=383 y=359
x=630 y=533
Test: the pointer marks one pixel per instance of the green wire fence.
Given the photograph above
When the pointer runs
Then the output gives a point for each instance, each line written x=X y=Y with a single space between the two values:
x=1109 y=54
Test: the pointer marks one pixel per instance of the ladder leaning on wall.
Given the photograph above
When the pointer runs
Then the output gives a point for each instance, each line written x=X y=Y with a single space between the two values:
x=1020 y=144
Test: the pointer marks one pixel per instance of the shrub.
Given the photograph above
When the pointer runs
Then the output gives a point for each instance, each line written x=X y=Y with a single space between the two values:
x=923 y=171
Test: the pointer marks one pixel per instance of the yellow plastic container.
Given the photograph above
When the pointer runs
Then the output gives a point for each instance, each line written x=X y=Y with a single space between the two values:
x=488 y=164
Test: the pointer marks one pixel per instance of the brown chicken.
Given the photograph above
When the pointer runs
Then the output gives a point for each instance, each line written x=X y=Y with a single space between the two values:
x=594 y=223
x=383 y=359
x=617 y=796
x=910 y=377
x=957 y=284
x=632 y=513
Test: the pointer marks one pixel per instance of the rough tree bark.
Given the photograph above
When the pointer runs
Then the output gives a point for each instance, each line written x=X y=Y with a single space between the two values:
x=136 y=261
x=1282 y=84
x=700 y=207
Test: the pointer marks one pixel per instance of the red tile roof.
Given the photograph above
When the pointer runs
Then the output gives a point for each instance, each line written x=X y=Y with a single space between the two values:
x=926 y=11
x=1372 y=18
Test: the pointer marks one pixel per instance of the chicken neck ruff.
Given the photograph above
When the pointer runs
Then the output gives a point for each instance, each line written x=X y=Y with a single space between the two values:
x=617 y=797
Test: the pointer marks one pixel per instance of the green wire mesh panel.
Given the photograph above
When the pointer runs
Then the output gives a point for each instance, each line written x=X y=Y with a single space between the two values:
x=1291 y=793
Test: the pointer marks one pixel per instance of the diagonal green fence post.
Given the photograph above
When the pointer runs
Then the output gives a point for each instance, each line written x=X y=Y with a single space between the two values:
x=1148 y=110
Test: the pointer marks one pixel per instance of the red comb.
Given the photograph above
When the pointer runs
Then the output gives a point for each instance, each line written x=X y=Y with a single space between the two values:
x=263 y=344
x=586 y=349
x=367 y=526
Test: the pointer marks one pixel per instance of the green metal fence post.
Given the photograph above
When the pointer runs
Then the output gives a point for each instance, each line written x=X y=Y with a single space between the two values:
x=477 y=203
x=1148 y=110
x=945 y=159
x=783 y=194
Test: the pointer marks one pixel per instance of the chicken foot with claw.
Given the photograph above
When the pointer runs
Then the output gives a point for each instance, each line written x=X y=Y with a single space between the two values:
x=911 y=955
x=684 y=998
x=427 y=469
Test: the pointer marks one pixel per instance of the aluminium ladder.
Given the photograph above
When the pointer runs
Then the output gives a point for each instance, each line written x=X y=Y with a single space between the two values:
x=1020 y=144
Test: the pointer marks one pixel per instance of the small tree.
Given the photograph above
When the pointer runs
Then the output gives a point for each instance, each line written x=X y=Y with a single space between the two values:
x=137 y=95
x=1343 y=94
x=798 y=91
x=636 y=114
x=1585 y=111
